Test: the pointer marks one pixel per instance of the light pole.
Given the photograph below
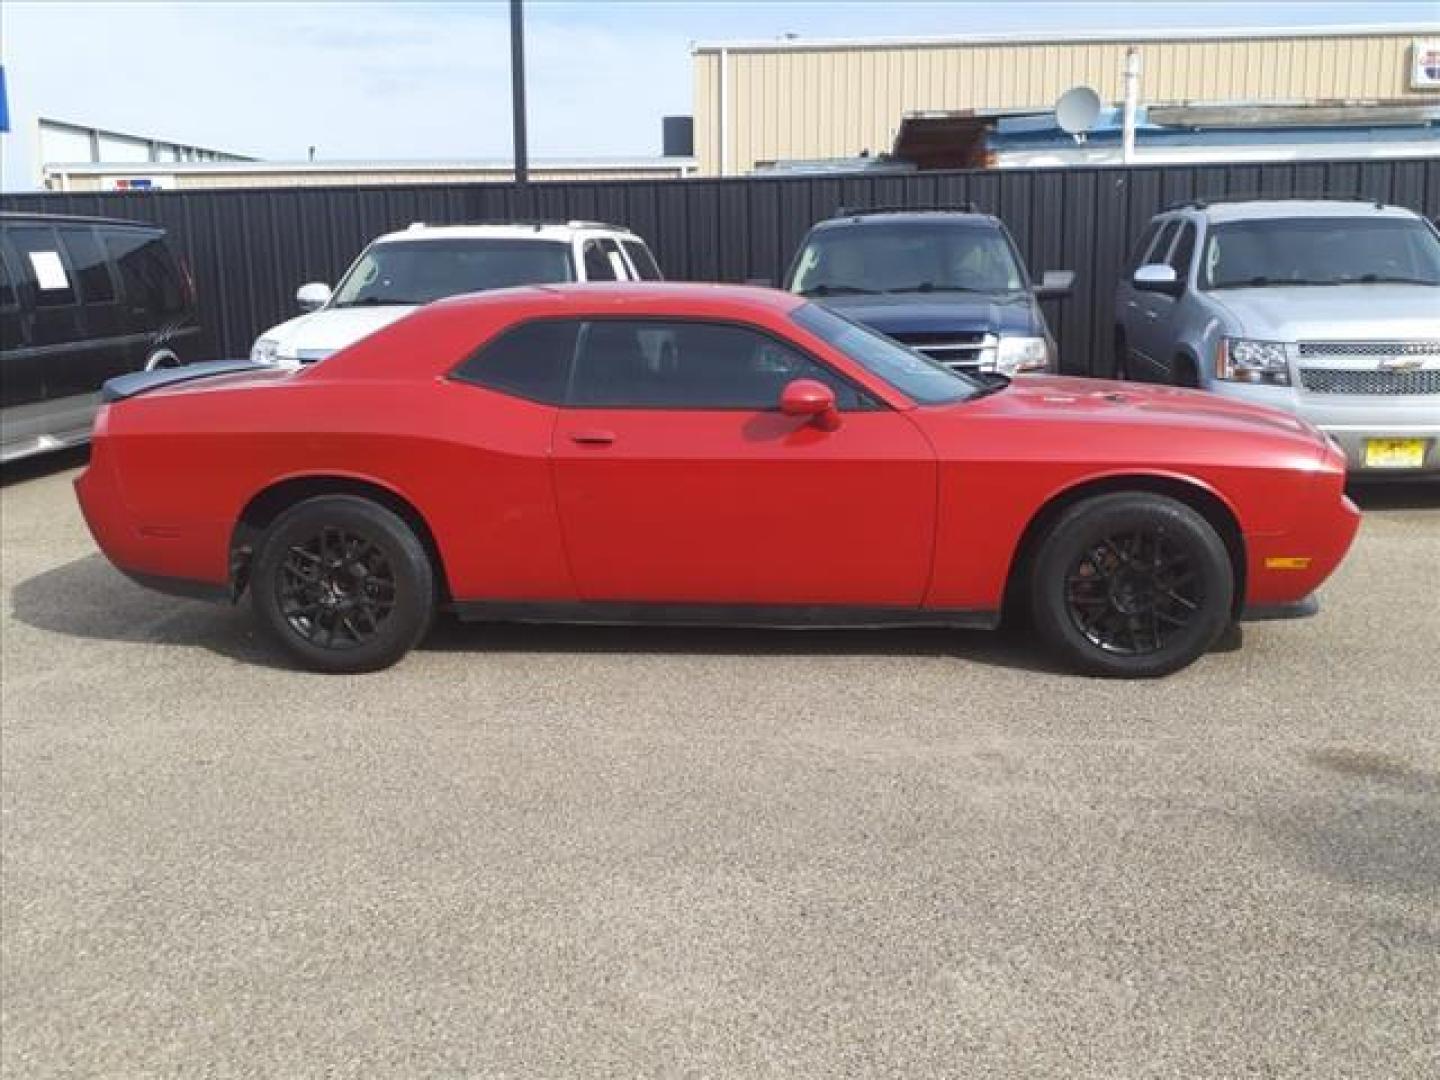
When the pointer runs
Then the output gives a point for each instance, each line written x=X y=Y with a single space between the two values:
x=517 y=91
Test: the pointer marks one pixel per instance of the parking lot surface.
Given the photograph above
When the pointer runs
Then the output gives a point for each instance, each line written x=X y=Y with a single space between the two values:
x=589 y=852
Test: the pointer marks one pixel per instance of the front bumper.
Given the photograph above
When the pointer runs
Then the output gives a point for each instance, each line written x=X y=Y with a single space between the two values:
x=1353 y=420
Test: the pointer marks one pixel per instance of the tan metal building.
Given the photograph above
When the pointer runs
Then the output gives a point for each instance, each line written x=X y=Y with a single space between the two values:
x=759 y=102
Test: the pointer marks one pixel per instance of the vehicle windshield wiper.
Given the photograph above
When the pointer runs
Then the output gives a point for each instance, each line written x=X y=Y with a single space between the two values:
x=930 y=286
x=994 y=383
x=379 y=301
x=1380 y=279
x=1260 y=281
x=835 y=290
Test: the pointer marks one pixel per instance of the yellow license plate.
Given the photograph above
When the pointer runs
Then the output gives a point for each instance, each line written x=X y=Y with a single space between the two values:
x=1394 y=453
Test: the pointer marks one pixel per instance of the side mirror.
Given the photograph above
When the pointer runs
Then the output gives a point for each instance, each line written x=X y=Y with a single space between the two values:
x=312 y=296
x=1157 y=277
x=813 y=400
x=1055 y=285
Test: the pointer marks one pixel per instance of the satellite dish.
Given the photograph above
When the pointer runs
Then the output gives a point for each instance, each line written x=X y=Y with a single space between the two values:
x=1077 y=110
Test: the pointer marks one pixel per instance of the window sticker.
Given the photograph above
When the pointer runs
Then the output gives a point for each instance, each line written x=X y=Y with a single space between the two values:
x=49 y=270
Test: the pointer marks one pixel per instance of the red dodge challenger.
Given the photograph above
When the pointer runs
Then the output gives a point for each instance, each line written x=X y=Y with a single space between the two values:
x=694 y=454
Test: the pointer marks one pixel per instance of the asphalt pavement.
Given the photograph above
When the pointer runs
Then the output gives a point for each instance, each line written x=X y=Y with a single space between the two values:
x=555 y=852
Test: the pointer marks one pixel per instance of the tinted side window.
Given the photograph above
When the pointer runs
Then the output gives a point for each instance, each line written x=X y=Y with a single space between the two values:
x=597 y=263
x=531 y=361
x=1137 y=253
x=88 y=262
x=147 y=272
x=645 y=264
x=617 y=260
x=38 y=245
x=1157 y=251
x=1184 y=251
x=654 y=364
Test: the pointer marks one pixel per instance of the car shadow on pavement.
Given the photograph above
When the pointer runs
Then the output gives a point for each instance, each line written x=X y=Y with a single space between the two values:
x=88 y=598
x=1396 y=495
x=32 y=468
x=1004 y=648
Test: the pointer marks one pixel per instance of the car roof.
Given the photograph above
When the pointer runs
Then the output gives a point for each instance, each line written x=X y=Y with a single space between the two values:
x=506 y=230
x=659 y=298
x=1264 y=209
x=15 y=217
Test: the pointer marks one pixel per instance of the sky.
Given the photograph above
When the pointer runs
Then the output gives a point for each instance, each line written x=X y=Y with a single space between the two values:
x=413 y=79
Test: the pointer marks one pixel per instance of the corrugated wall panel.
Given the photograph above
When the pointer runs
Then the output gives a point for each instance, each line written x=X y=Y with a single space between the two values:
x=249 y=250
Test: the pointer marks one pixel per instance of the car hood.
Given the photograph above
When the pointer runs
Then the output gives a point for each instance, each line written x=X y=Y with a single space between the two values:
x=1101 y=400
x=1121 y=424
x=320 y=333
x=902 y=313
x=1334 y=312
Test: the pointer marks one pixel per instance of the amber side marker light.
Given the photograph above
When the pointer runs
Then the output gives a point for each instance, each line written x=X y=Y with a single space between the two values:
x=1288 y=562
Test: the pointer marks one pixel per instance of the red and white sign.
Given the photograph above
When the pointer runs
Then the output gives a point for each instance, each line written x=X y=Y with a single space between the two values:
x=139 y=183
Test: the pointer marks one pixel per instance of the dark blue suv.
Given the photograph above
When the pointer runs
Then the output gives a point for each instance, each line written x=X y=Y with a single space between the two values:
x=948 y=282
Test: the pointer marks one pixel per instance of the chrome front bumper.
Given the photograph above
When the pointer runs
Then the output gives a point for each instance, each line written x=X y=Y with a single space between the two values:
x=1352 y=420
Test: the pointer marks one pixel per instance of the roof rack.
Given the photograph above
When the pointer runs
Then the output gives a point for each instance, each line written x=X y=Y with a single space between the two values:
x=525 y=223
x=1202 y=202
x=951 y=208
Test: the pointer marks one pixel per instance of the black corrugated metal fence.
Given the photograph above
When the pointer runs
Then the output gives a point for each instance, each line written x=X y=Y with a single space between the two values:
x=249 y=250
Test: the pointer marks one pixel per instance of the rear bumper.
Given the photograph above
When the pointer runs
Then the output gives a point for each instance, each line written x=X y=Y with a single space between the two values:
x=178 y=559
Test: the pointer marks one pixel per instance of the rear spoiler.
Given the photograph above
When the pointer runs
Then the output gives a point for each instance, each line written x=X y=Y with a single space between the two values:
x=142 y=382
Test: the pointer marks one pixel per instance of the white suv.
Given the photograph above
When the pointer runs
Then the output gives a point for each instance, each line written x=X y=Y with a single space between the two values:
x=400 y=271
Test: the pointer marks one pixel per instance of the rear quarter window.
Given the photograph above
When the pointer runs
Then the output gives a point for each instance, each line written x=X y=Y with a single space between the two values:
x=644 y=262
x=530 y=361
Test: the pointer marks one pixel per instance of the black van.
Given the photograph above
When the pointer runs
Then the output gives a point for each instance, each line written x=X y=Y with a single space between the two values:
x=82 y=300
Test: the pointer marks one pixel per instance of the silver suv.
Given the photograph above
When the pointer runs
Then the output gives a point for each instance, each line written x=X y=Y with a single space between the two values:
x=1327 y=309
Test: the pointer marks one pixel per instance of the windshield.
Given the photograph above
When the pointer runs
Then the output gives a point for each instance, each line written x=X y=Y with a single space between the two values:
x=419 y=271
x=938 y=256
x=916 y=376
x=1320 y=251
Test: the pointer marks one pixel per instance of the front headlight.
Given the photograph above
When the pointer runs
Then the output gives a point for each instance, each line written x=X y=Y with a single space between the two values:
x=1243 y=360
x=265 y=351
x=1017 y=354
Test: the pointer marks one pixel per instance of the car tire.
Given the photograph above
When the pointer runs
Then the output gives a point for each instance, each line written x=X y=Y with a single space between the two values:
x=1131 y=584
x=1185 y=373
x=343 y=585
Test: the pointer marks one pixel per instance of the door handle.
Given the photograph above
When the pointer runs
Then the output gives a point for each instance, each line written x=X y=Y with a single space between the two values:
x=593 y=437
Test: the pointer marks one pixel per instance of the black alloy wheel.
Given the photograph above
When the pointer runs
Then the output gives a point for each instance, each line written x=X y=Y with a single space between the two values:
x=1132 y=593
x=1131 y=584
x=335 y=588
x=343 y=584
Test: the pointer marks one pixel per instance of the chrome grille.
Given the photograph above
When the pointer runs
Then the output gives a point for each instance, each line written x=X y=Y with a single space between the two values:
x=1349 y=381
x=964 y=351
x=1314 y=349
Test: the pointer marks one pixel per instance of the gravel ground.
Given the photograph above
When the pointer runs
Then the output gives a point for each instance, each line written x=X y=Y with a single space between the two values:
x=564 y=852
